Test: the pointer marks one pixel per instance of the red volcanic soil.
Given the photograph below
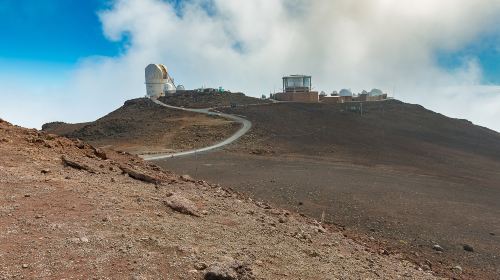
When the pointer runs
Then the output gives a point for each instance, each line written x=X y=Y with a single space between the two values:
x=397 y=172
x=141 y=126
x=69 y=210
x=195 y=99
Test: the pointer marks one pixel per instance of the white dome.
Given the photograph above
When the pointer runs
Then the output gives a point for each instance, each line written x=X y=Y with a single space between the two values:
x=154 y=73
x=180 y=87
x=170 y=88
x=345 y=92
x=375 y=92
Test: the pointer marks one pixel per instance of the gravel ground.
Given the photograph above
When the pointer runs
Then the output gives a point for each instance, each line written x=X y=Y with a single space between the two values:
x=97 y=216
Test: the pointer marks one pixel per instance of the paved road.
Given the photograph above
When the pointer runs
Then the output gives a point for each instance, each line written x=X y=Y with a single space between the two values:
x=246 y=125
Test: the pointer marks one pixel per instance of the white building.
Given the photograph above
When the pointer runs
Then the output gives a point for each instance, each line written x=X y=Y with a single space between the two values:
x=345 y=92
x=375 y=92
x=158 y=81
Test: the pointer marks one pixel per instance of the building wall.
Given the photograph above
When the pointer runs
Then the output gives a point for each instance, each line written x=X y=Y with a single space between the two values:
x=306 y=97
x=375 y=98
x=330 y=99
x=366 y=97
x=155 y=90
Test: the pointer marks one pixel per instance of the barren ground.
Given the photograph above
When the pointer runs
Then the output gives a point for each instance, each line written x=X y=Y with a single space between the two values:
x=58 y=221
x=403 y=212
x=399 y=172
x=143 y=127
x=193 y=99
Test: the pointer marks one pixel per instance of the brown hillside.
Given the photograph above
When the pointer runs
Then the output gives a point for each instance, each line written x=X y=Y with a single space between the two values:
x=141 y=126
x=194 y=99
x=71 y=211
x=387 y=133
x=398 y=172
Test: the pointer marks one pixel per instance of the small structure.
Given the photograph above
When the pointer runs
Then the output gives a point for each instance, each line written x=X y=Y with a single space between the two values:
x=375 y=92
x=345 y=95
x=158 y=81
x=373 y=95
x=181 y=88
x=297 y=88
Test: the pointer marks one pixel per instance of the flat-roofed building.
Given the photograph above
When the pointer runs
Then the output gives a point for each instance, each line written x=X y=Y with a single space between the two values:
x=297 y=88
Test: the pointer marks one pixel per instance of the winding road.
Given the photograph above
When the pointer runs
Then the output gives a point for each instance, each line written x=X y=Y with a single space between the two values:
x=246 y=125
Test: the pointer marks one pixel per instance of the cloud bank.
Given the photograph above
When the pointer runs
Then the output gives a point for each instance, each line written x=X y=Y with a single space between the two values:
x=249 y=45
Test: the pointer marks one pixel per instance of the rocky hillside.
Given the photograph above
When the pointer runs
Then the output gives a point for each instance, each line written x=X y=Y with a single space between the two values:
x=194 y=99
x=69 y=210
x=140 y=126
x=383 y=133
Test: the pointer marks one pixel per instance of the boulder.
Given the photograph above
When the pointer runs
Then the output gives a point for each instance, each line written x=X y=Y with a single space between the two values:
x=229 y=269
x=182 y=205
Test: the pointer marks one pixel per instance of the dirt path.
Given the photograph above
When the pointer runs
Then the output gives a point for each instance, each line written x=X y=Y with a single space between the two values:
x=246 y=125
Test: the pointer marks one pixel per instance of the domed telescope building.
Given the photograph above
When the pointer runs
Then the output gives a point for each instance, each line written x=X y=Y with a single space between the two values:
x=158 y=81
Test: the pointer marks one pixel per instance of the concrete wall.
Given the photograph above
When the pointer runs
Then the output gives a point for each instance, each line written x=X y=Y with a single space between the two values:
x=330 y=99
x=305 y=97
x=366 y=97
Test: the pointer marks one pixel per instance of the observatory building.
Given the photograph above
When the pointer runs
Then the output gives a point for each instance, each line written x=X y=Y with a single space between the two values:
x=297 y=88
x=158 y=81
x=374 y=95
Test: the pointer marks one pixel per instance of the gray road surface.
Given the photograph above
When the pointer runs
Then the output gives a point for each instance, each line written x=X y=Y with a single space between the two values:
x=246 y=125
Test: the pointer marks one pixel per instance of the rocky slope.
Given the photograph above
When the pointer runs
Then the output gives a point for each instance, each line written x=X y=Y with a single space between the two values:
x=68 y=210
x=389 y=133
x=142 y=127
x=194 y=99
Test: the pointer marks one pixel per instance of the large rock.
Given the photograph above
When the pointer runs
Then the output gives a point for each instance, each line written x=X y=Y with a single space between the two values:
x=229 y=269
x=181 y=204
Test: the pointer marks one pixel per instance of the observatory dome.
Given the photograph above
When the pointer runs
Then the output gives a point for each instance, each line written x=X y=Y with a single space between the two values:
x=345 y=92
x=376 y=92
x=155 y=73
x=170 y=88
x=180 y=88
x=156 y=76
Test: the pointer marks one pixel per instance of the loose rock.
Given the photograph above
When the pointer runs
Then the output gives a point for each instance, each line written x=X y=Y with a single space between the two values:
x=200 y=266
x=100 y=154
x=187 y=178
x=181 y=204
x=229 y=269
x=457 y=269
x=468 y=248
x=438 y=248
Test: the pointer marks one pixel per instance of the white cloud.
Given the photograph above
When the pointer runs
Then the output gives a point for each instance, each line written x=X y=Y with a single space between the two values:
x=248 y=45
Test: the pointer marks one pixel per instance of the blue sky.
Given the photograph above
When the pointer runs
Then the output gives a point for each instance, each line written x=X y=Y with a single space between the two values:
x=437 y=52
x=485 y=48
x=53 y=32
x=53 y=35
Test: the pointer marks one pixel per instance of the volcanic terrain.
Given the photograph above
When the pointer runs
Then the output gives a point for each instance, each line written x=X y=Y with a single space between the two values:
x=195 y=99
x=388 y=170
x=142 y=127
x=392 y=175
x=69 y=210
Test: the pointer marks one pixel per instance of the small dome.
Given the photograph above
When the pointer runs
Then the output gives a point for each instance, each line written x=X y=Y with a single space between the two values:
x=170 y=88
x=345 y=92
x=180 y=87
x=322 y=93
x=375 y=92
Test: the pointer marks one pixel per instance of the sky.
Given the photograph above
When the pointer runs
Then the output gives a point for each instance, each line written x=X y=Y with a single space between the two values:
x=76 y=61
